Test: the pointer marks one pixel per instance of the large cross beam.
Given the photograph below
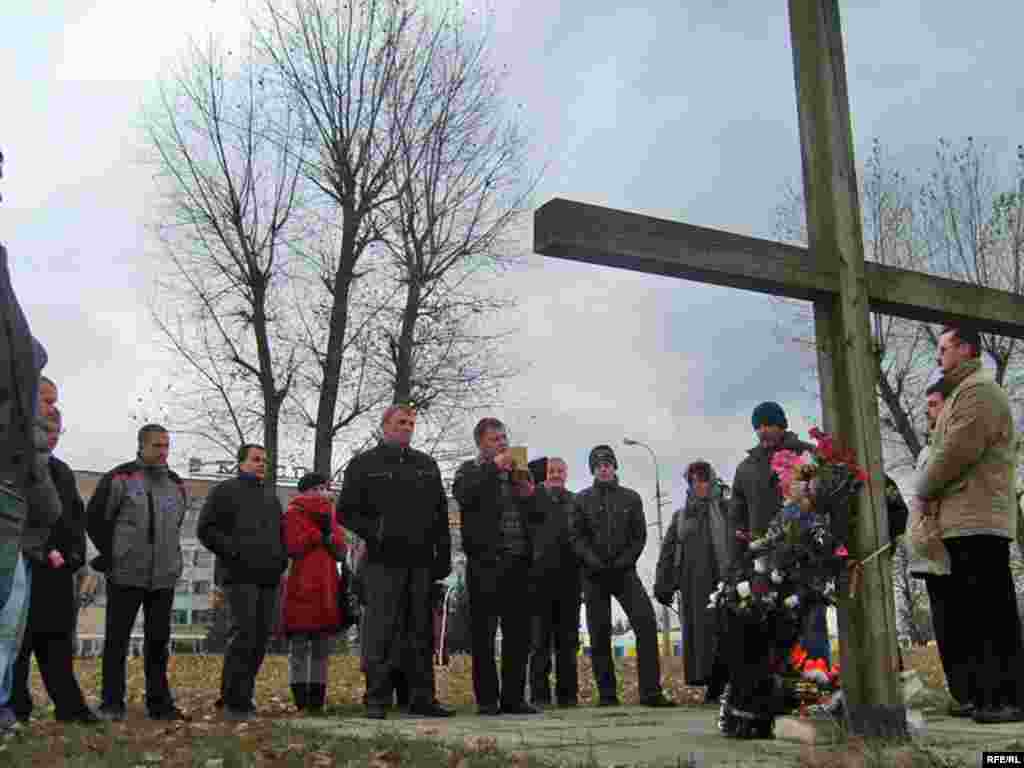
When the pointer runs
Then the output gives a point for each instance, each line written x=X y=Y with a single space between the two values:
x=833 y=275
x=596 y=235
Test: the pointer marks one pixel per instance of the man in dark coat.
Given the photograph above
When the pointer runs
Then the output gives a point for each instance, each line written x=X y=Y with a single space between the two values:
x=608 y=532
x=393 y=498
x=49 y=630
x=495 y=509
x=695 y=556
x=242 y=523
x=556 y=584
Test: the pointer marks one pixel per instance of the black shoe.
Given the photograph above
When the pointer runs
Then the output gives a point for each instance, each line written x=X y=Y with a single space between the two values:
x=432 y=709
x=657 y=700
x=300 y=695
x=111 y=715
x=488 y=710
x=237 y=715
x=608 y=701
x=999 y=715
x=171 y=714
x=956 y=709
x=376 y=711
x=85 y=717
x=519 y=708
x=316 y=697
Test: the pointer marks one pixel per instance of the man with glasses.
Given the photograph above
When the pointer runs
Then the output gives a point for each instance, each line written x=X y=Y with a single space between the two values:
x=971 y=479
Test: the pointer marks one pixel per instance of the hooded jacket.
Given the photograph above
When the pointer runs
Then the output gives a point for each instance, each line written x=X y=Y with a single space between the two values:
x=607 y=528
x=756 y=497
x=311 y=591
x=134 y=519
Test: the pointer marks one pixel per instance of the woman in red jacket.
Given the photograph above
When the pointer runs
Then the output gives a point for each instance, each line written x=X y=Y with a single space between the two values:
x=311 y=613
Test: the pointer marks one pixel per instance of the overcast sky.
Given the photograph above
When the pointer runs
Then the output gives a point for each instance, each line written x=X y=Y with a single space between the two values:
x=680 y=110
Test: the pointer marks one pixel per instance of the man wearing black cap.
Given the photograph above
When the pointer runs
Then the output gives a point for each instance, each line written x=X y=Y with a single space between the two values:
x=394 y=499
x=608 y=532
x=756 y=498
x=556 y=582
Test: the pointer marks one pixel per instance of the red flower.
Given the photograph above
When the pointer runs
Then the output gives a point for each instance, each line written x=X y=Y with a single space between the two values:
x=797 y=657
x=841 y=551
x=759 y=588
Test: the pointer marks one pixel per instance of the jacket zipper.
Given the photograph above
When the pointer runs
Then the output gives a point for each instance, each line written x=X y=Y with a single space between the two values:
x=152 y=537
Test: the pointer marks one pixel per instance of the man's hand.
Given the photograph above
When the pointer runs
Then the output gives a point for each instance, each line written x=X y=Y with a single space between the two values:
x=504 y=461
x=55 y=559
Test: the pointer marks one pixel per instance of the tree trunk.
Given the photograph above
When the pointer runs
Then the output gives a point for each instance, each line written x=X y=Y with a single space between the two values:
x=323 y=446
x=403 y=357
x=900 y=420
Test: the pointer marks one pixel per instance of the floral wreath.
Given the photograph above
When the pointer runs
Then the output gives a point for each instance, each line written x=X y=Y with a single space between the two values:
x=796 y=562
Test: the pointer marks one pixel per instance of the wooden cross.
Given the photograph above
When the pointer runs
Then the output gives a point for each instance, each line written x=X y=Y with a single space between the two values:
x=833 y=275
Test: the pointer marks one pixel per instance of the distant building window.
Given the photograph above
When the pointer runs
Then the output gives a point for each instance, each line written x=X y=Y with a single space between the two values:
x=200 y=587
x=181 y=588
x=179 y=617
x=204 y=558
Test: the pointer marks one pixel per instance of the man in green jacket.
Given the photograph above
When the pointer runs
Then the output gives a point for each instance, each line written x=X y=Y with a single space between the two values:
x=971 y=479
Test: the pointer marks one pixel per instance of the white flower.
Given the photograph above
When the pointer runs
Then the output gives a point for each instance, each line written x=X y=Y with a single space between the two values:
x=776 y=576
x=743 y=589
x=773 y=597
x=830 y=588
x=792 y=601
x=761 y=565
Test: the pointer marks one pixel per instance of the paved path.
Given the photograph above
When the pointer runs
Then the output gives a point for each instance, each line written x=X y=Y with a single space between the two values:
x=640 y=736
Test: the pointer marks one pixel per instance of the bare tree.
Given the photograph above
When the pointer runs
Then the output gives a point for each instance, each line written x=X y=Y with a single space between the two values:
x=460 y=186
x=345 y=65
x=230 y=191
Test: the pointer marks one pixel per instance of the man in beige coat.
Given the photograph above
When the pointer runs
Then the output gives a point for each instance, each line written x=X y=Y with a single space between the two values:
x=971 y=478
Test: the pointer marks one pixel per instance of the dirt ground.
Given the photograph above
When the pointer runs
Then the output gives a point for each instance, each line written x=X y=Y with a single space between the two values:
x=207 y=738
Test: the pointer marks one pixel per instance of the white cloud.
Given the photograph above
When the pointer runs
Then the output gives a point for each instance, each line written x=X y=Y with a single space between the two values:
x=131 y=40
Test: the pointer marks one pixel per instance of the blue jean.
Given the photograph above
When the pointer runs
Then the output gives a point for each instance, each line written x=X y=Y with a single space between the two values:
x=12 y=627
x=815 y=639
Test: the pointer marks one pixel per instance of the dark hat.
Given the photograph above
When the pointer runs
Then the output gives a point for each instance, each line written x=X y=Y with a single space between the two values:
x=311 y=480
x=769 y=414
x=538 y=470
x=602 y=453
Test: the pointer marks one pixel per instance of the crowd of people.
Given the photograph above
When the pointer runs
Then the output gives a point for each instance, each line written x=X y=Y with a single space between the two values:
x=535 y=551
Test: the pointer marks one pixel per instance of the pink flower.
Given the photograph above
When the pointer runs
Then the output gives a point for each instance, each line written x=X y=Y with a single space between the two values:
x=841 y=551
x=785 y=464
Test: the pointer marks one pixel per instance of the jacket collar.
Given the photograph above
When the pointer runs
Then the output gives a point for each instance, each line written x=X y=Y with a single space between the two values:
x=611 y=484
x=392 y=450
x=790 y=442
x=249 y=479
x=962 y=371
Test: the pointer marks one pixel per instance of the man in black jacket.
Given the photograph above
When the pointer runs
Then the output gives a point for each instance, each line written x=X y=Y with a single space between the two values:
x=242 y=523
x=51 y=613
x=556 y=584
x=393 y=498
x=608 y=532
x=494 y=511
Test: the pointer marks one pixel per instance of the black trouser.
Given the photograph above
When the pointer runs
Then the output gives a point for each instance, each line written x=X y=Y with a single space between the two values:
x=398 y=632
x=982 y=624
x=557 y=624
x=122 y=607
x=54 y=653
x=497 y=594
x=253 y=610
x=939 y=595
x=624 y=586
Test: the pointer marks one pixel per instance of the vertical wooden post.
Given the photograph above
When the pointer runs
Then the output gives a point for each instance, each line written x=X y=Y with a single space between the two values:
x=867 y=628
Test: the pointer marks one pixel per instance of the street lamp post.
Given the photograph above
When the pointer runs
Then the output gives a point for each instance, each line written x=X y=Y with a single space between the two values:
x=665 y=625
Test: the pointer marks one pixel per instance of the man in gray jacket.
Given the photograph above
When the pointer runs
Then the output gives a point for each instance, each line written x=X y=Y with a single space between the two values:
x=134 y=519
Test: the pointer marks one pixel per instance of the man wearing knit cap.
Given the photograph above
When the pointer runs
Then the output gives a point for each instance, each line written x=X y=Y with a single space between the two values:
x=608 y=531
x=756 y=499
